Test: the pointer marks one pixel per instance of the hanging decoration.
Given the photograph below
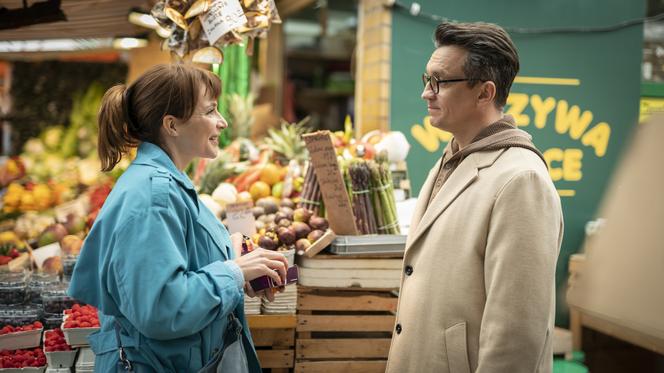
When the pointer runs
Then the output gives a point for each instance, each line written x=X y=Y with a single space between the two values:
x=203 y=27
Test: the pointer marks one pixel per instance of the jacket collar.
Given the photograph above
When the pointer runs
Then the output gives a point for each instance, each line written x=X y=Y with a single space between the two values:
x=465 y=174
x=152 y=155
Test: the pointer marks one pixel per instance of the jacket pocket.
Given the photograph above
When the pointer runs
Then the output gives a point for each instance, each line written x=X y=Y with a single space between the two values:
x=457 y=348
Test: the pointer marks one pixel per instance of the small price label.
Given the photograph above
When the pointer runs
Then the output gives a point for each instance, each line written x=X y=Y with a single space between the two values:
x=240 y=218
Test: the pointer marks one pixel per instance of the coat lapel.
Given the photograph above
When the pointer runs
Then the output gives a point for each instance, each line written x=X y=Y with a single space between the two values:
x=421 y=205
x=465 y=174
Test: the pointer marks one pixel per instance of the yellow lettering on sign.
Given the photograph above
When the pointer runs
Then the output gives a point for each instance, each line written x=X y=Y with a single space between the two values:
x=570 y=164
x=429 y=136
x=542 y=109
x=518 y=102
x=598 y=138
x=554 y=155
x=571 y=120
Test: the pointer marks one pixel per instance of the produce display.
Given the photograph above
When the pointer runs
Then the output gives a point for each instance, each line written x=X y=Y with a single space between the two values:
x=22 y=358
x=282 y=228
x=10 y=170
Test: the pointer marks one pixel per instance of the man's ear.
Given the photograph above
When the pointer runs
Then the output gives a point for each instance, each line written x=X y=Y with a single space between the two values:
x=487 y=92
x=169 y=125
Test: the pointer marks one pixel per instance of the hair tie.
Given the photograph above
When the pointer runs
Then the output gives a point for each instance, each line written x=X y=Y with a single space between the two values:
x=125 y=109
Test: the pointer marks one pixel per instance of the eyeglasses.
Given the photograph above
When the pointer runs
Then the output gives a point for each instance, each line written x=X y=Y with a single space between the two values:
x=426 y=79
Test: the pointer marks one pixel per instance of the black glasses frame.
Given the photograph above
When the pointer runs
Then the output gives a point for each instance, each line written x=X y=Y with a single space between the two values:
x=427 y=79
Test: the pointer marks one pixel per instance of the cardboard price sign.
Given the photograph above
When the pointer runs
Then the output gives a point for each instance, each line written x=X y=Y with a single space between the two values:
x=240 y=218
x=324 y=161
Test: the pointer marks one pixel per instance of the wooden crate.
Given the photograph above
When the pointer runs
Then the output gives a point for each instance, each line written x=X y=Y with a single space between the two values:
x=343 y=330
x=274 y=338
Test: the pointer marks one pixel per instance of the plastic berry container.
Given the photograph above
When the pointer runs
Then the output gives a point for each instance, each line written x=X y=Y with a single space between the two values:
x=38 y=283
x=17 y=316
x=68 y=263
x=56 y=300
x=52 y=320
x=13 y=288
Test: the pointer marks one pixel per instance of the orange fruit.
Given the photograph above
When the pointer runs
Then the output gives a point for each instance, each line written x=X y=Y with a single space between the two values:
x=271 y=174
x=259 y=189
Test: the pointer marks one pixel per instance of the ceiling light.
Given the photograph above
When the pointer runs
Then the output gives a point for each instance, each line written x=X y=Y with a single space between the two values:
x=129 y=43
x=54 y=45
x=143 y=20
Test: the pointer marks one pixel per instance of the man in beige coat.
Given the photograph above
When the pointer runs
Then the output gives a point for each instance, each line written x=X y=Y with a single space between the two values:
x=477 y=291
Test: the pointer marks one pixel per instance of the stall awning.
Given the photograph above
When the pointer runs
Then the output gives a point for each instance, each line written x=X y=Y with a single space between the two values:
x=85 y=19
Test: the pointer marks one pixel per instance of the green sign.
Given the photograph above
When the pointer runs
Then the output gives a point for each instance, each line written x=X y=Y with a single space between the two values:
x=577 y=94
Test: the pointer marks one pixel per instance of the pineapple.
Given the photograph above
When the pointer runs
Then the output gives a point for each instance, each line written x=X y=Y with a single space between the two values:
x=240 y=112
x=287 y=143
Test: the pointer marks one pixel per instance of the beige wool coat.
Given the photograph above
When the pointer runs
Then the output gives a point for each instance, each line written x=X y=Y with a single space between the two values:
x=477 y=291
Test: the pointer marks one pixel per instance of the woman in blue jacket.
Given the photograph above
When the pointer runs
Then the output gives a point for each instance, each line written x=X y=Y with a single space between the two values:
x=157 y=263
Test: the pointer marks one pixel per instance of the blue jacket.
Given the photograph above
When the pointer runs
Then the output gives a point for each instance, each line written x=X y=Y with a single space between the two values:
x=154 y=261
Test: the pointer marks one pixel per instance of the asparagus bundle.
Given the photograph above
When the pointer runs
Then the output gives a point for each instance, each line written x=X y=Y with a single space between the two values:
x=383 y=198
x=311 y=198
x=362 y=208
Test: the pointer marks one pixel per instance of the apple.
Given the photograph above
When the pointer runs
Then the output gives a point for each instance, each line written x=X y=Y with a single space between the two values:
x=52 y=265
x=71 y=244
x=74 y=223
x=52 y=233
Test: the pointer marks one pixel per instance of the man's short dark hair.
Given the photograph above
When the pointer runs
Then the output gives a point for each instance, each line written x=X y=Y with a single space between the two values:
x=491 y=53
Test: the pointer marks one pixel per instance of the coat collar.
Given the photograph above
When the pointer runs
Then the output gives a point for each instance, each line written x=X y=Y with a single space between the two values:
x=150 y=154
x=465 y=174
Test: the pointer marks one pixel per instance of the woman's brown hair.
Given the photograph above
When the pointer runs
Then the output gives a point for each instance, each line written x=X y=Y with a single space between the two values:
x=133 y=114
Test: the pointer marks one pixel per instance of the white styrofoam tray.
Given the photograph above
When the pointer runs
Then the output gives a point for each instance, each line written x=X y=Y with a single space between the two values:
x=76 y=337
x=21 y=340
x=59 y=359
x=23 y=370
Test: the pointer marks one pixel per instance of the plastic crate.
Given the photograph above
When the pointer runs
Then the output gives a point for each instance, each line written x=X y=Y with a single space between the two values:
x=369 y=244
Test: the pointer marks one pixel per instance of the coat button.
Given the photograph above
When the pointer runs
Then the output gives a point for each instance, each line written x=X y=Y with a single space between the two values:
x=409 y=270
x=398 y=328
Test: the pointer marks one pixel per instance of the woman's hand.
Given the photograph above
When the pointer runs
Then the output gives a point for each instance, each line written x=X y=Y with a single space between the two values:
x=267 y=293
x=262 y=262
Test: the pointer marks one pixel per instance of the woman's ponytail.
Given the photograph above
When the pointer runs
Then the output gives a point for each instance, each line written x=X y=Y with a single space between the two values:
x=114 y=136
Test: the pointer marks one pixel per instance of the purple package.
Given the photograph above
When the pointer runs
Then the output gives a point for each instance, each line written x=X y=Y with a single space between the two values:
x=265 y=282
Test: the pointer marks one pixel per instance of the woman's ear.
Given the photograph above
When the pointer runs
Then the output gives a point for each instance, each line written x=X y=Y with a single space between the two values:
x=169 y=125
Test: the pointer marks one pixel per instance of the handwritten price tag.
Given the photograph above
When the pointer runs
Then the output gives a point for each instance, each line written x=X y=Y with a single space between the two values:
x=240 y=218
x=223 y=16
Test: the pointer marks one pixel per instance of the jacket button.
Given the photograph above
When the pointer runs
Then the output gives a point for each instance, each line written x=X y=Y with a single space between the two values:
x=409 y=270
x=398 y=328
